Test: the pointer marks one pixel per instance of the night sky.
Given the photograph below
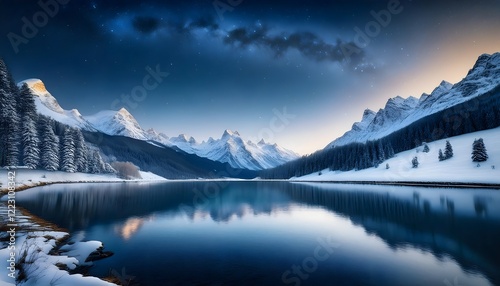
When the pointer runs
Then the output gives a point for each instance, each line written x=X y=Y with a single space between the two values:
x=230 y=64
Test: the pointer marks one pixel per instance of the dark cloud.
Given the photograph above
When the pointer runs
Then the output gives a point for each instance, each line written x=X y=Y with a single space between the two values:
x=206 y=22
x=308 y=44
x=145 y=25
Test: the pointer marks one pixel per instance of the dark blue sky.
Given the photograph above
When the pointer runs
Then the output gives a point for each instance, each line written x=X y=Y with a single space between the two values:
x=230 y=67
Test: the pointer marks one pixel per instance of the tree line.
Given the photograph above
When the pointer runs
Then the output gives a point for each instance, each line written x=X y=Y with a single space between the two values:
x=36 y=141
x=477 y=114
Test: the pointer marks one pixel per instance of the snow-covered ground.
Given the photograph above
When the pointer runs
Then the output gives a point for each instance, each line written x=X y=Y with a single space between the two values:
x=30 y=178
x=458 y=169
x=33 y=244
x=38 y=241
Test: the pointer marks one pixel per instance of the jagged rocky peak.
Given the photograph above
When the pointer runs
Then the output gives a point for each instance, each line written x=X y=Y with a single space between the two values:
x=368 y=115
x=184 y=138
x=124 y=112
x=230 y=133
x=262 y=142
x=486 y=62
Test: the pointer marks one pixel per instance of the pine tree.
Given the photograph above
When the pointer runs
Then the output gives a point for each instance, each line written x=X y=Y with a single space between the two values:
x=426 y=148
x=414 y=162
x=441 y=156
x=30 y=143
x=9 y=123
x=96 y=165
x=80 y=151
x=49 y=146
x=479 y=153
x=9 y=119
x=68 y=152
x=389 y=151
x=448 y=151
x=26 y=103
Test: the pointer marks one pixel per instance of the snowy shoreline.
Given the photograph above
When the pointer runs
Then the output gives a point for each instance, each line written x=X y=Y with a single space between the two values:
x=42 y=253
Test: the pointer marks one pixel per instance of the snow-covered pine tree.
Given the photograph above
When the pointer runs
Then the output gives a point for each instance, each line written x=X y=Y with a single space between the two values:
x=9 y=119
x=9 y=123
x=96 y=165
x=81 y=163
x=26 y=103
x=441 y=156
x=426 y=148
x=389 y=151
x=448 y=150
x=68 y=152
x=479 y=153
x=49 y=146
x=414 y=162
x=380 y=152
x=30 y=143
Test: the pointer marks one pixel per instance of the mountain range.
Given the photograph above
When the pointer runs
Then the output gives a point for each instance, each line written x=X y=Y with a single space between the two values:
x=399 y=113
x=230 y=148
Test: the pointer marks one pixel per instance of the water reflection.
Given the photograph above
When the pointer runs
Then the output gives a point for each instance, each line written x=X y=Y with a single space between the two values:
x=461 y=224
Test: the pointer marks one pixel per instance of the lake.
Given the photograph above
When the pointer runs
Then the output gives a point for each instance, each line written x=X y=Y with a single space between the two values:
x=281 y=233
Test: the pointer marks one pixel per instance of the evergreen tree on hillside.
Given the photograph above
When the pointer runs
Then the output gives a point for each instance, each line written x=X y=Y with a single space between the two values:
x=426 y=148
x=68 y=152
x=30 y=143
x=9 y=119
x=80 y=151
x=441 y=156
x=49 y=146
x=414 y=162
x=389 y=151
x=26 y=103
x=448 y=150
x=95 y=162
x=479 y=153
x=9 y=143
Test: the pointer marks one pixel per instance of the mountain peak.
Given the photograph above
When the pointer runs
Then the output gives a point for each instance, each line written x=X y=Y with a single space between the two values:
x=230 y=133
x=124 y=112
x=37 y=88
x=262 y=142
x=36 y=85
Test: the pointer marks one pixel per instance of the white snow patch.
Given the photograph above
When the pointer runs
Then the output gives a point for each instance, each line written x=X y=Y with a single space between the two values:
x=460 y=168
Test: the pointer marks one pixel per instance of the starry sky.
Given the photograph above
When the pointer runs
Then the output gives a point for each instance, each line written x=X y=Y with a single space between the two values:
x=297 y=73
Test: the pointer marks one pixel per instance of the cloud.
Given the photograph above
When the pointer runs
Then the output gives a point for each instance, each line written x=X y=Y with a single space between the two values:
x=145 y=25
x=308 y=44
x=204 y=23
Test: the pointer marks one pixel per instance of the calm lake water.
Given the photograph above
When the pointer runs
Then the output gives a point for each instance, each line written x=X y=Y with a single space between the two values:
x=262 y=233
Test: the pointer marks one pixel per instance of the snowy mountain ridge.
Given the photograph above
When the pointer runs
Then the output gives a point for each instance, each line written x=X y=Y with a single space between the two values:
x=230 y=148
x=399 y=112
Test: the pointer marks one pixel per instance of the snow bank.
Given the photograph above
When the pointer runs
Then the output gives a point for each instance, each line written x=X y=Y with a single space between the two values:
x=32 y=248
x=459 y=169
x=26 y=178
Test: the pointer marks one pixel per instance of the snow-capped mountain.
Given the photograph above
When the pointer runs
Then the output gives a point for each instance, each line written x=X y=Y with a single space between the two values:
x=230 y=148
x=399 y=112
x=109 y=121
x=119 y=122
x=47 y=105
